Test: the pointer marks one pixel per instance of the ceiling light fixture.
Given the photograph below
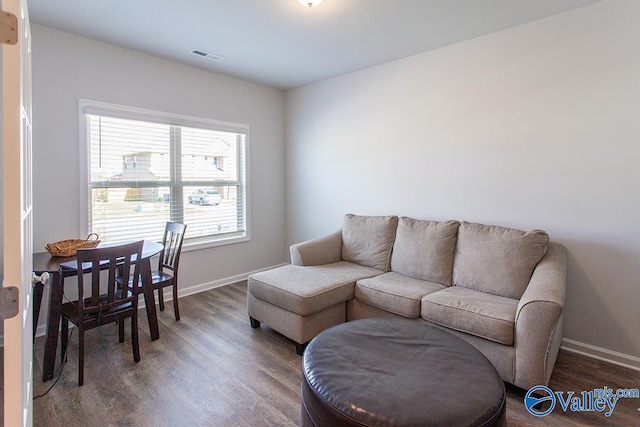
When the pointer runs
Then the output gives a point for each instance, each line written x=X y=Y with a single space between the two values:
x=309 y=3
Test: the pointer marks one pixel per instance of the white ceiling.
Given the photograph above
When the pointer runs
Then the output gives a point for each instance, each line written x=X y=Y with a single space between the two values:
x=281 y=44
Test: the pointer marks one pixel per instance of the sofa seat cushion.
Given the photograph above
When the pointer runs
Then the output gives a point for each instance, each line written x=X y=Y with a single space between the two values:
x=395 y=293
x=488 y=316
x=424 y=249
x=497 y=260
x=308 y=290
x=368 y=240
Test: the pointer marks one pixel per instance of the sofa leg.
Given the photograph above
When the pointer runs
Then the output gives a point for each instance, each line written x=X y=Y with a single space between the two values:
x=254 y=323
x=301 y=347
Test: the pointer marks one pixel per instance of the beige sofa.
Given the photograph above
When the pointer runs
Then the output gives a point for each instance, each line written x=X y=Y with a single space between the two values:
x=500 y=289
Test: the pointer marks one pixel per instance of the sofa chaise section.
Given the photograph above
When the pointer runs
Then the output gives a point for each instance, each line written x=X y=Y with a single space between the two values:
x=300 y=302
x=303 y=299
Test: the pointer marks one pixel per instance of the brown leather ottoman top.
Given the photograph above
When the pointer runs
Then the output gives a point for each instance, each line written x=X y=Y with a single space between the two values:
x=396 y=372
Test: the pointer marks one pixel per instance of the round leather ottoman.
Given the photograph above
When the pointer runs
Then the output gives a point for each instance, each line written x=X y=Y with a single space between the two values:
x=397 y=372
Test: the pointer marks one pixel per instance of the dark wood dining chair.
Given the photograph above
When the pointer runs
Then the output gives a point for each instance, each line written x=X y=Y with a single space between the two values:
x=106 y=303
x=168 y=262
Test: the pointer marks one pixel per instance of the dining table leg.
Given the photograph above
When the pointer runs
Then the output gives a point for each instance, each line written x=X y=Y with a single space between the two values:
x=38 y=289
x=149 y=299
x=53 y=324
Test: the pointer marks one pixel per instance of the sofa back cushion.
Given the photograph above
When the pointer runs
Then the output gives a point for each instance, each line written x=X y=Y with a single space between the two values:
x=424 y=249
x=497 y=260
x=368 y=240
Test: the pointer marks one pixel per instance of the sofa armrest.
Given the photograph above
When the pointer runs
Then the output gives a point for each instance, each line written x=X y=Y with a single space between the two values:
x=323 y=250
x=538 y=319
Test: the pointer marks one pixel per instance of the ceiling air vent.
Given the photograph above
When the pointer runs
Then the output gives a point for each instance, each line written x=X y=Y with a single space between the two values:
x=211 y=56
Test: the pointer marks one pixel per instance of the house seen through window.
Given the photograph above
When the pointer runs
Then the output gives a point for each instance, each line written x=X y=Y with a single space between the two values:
x=145 y=169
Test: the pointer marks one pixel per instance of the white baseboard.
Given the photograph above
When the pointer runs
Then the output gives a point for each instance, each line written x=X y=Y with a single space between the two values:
x=217 y=283
x=42 y=327
x=599 y=353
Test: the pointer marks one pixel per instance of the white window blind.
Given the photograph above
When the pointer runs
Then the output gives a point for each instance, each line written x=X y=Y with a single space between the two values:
x=146 y=168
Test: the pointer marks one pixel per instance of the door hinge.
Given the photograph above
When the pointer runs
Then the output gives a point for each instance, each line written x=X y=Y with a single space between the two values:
x=8 y=28
x=8 y=302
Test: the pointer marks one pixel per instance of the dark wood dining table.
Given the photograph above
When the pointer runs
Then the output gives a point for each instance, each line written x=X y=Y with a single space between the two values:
x=59 y=268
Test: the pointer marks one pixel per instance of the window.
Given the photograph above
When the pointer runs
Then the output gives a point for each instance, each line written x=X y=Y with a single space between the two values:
x=145 y=168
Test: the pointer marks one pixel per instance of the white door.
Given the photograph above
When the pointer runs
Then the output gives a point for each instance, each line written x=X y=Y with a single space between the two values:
x=17 y=215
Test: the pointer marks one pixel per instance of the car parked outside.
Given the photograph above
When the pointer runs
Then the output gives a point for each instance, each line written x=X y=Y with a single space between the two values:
x=205 y=197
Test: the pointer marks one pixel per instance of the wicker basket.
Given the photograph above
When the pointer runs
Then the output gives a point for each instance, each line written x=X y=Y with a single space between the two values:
x=67 y=248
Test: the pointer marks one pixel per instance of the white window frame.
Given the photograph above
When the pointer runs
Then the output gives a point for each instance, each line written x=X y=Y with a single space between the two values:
x=87 y=106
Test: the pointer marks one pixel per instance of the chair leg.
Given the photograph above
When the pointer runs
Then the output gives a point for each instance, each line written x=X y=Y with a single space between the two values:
x=254 y=323
x=80 y=355
x=176 y=310
x=64 y=339
x=134 y=338
x=121 y=329
x=161 y=298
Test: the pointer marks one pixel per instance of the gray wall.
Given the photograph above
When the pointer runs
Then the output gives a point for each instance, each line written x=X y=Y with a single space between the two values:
x=67 y=67
x=532 y=127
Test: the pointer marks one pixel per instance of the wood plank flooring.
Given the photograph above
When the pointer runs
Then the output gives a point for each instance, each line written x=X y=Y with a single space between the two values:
x=212 y=369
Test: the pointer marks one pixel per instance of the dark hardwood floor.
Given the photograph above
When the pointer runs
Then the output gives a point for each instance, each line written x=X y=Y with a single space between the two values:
x=212 y=369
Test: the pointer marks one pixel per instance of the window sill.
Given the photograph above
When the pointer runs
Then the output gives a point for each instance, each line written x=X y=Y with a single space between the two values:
x=197 y=245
